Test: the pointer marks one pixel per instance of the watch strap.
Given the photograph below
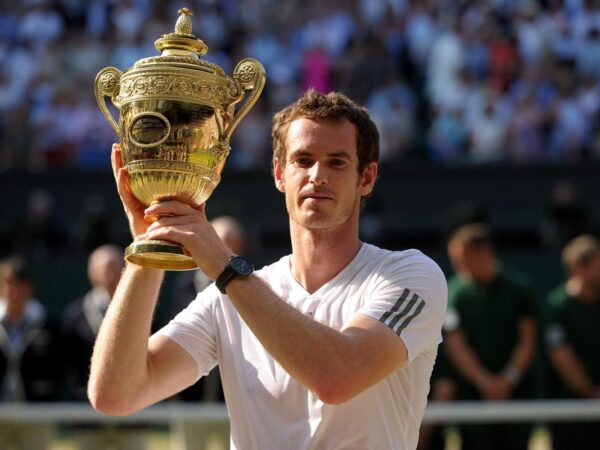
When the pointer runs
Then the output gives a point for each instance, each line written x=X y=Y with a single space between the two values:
x=229 y=274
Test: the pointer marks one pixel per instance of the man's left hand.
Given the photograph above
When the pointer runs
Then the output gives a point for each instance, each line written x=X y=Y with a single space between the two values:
x=183 y=224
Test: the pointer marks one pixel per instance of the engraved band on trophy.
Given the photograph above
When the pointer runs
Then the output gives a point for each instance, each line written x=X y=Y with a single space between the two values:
x=177 y=114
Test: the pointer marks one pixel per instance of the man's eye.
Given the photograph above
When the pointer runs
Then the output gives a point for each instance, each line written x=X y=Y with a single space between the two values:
x=303 y=162
x=338 y=162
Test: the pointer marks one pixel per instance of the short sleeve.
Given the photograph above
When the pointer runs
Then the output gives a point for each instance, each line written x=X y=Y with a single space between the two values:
x=410 y=298
x=452 y=320
x=195 y=330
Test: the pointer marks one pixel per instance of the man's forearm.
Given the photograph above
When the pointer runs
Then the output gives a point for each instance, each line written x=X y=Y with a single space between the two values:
x=119 y=362
x=571 y=371
x=524 y=351
x=334 y=365
x=285 y=332
x=464 y=359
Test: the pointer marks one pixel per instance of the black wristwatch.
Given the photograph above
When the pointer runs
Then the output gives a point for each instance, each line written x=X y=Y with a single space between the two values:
x=237 y=267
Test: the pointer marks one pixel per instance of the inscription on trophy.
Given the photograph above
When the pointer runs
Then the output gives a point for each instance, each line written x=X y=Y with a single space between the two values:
x=149 y=129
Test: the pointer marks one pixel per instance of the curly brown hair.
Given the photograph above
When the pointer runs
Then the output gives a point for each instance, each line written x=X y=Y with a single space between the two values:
x=331 y=107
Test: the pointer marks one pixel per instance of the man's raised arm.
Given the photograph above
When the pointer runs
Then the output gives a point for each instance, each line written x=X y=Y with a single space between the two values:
x=129 y=370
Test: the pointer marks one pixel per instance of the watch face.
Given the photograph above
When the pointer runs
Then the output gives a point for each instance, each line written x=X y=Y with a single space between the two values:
x=242 y=266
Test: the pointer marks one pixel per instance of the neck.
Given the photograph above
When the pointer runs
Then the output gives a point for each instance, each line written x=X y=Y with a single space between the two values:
x=319 y=255
x=576 y=287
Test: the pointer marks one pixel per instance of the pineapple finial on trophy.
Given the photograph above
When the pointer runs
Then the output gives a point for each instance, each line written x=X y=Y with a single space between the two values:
x=184 y=22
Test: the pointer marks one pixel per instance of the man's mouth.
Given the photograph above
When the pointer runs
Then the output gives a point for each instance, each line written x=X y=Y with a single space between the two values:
x=316 y=196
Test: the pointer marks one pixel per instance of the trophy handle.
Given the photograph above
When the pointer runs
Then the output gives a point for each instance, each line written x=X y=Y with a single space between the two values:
x=108 y=84
x=249 y=74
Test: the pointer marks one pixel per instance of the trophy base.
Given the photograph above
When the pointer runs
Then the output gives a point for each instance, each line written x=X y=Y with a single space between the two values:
x=159 y=255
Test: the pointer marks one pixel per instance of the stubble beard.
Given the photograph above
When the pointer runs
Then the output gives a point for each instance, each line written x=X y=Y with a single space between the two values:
x=322 y=217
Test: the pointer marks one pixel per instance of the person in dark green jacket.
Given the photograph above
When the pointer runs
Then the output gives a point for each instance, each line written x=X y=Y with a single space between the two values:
x=572 y=335
x=491 y=331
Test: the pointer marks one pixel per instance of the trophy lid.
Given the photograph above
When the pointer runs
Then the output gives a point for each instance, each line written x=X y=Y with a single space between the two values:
x=181 y=46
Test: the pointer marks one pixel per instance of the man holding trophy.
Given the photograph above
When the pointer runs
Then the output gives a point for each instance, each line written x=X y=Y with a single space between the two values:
x=329 y=347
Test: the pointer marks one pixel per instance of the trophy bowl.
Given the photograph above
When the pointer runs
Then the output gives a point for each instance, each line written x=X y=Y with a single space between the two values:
x=177 y=113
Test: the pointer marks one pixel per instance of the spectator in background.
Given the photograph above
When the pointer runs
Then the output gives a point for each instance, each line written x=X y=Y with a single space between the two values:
x=573 y=340
x=490 y=334
x=393 y=107
x=526 y=136
x=447 y=137
x=30 y=355
x=316 y=70
x=445 y=64
x=588 y=54
x=195 y=436
x=251 y=140
x=488 y=132
x=81 y=323
x=83 y=317
x=503 y=56
x=41 y=25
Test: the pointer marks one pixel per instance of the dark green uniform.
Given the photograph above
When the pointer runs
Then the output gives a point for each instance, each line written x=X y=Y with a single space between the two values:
x=576 y=323
x=436 y=439
x=488 y=315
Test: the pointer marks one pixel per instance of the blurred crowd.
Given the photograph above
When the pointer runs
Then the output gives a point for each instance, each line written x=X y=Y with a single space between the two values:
x=465 y=82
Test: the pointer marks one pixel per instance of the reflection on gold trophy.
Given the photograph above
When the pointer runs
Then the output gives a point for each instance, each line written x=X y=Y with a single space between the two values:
x=177 y=114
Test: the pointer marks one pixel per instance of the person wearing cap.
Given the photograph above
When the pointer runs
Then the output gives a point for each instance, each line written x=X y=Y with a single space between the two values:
x=572 y=335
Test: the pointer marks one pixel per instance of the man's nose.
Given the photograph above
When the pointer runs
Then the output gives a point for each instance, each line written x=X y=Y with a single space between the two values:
x=318 y=173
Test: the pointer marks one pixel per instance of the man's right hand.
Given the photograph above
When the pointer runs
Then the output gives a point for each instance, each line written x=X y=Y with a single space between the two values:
x=134 y=209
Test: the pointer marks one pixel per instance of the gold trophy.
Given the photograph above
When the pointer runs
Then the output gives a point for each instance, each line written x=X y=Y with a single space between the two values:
x=177 y=114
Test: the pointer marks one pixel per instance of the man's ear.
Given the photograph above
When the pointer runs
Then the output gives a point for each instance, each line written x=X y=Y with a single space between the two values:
x=278 y=175
x=368 y=178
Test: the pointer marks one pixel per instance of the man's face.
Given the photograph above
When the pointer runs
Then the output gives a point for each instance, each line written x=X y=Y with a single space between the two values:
x=14 y=290
x=320 y=178
x=469 y=260
x=592 y=271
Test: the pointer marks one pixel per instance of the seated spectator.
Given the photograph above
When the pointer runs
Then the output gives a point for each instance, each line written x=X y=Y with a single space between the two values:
x=30 y=355
x=573 y=340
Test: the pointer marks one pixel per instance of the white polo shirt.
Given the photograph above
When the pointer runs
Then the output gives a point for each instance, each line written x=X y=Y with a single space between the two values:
x=271 y=410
